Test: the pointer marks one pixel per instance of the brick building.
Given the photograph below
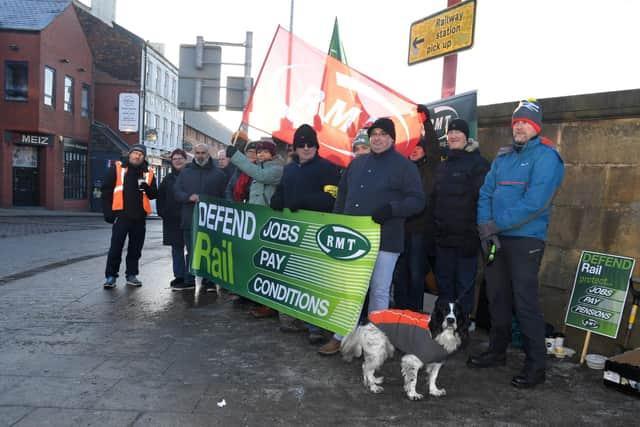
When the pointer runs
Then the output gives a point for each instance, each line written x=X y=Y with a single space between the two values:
x=127 y=64
x=201 y=127
x=46 y=105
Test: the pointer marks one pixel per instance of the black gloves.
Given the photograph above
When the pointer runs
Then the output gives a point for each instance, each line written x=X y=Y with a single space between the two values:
x=144 y=187
x=110 y=219
x=489 y=241
x=231 y=150
x=382 y=214
x=276 y=204
x=295 y=206
x=487 y=229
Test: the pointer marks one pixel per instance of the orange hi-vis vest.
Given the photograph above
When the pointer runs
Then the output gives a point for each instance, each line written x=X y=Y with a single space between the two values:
x=118 y=190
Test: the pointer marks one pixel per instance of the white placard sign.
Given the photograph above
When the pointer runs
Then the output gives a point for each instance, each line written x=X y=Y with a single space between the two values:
x=128 y=112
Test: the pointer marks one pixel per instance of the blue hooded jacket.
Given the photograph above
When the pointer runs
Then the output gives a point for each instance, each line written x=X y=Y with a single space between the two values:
x=519 y=186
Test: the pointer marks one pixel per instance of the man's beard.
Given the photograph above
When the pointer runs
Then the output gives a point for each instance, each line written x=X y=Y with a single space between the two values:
x=201 y=162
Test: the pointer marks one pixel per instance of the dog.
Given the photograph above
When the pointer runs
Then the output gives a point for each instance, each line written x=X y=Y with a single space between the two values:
x=425 y=340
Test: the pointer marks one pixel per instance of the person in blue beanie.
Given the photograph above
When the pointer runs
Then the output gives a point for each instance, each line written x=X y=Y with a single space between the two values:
x=513 y=215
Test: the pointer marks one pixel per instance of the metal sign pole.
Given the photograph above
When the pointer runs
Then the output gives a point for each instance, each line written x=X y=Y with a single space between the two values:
x=449 y=68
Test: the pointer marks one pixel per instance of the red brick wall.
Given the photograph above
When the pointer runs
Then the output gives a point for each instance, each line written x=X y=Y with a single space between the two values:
x=107 y=109
x=64 y=39
x=61 y=39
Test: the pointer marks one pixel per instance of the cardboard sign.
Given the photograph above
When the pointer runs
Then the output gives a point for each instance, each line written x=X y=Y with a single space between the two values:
x=599 y=293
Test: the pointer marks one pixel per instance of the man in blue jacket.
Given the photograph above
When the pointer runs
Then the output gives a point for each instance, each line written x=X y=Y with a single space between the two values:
x=513 y=215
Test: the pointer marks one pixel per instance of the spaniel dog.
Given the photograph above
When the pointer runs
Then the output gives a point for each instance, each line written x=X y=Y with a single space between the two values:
x=425 y=340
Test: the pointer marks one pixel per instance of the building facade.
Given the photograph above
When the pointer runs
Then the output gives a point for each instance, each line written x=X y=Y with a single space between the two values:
x=46 y=68
x=202 y=128
x=127 y=65
x=162 y=122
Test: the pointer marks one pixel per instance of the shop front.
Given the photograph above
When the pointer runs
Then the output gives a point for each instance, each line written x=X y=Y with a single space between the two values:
x=27 y=166
x=45 y=170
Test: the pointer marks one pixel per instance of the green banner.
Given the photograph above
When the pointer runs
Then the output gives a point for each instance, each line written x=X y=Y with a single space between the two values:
x=599 y=293
x=311 y=265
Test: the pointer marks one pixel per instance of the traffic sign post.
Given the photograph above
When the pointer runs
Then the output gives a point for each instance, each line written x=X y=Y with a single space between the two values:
x=442 y=33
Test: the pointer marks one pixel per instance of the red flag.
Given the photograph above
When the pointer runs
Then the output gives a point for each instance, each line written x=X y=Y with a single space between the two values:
x=290 y=90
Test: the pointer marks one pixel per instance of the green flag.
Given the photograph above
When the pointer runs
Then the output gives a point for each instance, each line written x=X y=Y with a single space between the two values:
x=335 y=47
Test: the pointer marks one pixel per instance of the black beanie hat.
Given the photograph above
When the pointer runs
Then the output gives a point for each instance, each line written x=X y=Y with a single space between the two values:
x=528 y=111
x=461 y=125
x=386 y=124
x=305 y=135
x=138 y=147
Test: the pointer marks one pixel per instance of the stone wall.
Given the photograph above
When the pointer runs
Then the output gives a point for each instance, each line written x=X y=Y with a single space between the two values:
x=598 y=206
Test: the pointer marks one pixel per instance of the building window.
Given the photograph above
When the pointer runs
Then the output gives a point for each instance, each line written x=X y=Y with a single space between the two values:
x=75 y=175
x=179 y=135
x=68 y=94
x=172 y=141
x=149 y=75
x=158 y=130
x=158 y=80
x=16 y=81
x=85 y=101
x=50 y=87
x=166 y=84
x=165 y=132
x=173 y=91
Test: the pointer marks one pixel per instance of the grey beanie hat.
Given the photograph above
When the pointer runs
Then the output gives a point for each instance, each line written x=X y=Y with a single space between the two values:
x=138 y=147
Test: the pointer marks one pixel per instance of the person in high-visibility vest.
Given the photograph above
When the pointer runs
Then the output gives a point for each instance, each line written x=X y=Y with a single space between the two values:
x=128 y=187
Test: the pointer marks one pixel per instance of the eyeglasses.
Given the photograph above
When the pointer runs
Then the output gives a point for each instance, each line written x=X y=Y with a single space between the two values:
x=177 y=158
x=305 y=144
x=379 y=133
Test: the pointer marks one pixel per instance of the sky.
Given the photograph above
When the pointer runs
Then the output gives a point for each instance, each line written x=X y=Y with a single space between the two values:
x=522 y=48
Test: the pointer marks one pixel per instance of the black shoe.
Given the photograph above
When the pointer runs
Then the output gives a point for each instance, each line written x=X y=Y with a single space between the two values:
x=487 y=359
x=109 y=283
x=316 y=336
x=176 y=281
x=209 y=286
x=132 y=280
x=528 y=380
x=182 y=285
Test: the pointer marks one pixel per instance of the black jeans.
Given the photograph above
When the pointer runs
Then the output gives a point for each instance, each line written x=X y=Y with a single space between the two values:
x=512 y=286
x=411 y=268
x=123 y=227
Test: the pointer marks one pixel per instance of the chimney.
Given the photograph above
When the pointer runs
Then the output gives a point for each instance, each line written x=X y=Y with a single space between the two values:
x=160 y=47
x=105 y=10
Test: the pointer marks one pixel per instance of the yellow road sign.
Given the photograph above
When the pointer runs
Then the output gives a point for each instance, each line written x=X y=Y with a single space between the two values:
x=442 y=33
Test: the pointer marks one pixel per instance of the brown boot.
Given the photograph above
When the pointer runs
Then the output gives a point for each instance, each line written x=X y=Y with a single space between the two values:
x=330 y=348
x=262 y=311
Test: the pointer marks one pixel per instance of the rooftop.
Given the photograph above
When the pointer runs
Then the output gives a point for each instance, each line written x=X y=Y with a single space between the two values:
x=206 y=124
x=30 y=15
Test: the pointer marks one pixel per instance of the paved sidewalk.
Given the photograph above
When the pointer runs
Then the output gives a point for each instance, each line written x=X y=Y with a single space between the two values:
x=39 y=245
x=75 y=354
x=31 y=211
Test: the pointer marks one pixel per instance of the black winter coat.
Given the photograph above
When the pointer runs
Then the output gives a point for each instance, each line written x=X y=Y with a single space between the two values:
x=169 y=209
x=207 y=180
x=133 y=208
x=454 y=200
x=302 y=186
x=377 y=179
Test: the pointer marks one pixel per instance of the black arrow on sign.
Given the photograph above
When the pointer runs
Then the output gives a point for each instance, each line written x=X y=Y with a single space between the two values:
x=417 y=41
